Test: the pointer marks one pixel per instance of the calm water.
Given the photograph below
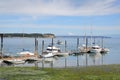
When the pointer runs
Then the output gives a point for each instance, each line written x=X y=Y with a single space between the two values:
x=15 y=45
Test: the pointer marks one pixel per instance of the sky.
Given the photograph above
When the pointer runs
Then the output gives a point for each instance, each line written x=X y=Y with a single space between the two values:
x=60 y=17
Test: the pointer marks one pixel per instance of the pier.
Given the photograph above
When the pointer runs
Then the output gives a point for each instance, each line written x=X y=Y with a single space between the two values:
x=40 y=61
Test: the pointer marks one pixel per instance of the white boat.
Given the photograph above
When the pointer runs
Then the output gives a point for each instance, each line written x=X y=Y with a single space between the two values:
x=84 y=49
x=26 y=53
x=62 y=54
x=47 y=55
x=95 y=49
x=33 y=59
x=14 y=61
x=105 y=50
x=52 y=49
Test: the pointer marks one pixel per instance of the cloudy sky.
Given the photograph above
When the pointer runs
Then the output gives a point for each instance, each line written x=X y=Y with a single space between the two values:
x=60 y=17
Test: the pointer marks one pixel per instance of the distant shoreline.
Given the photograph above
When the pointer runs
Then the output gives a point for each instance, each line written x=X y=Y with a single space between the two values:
x=31 y=35
x=47 y=35
x=85 y=36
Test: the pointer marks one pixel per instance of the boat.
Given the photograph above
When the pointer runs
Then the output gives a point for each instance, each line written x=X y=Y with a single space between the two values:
x=62 y=54
x=47 y=54
x=104 y=50
x=14 y=61
x=53 y=49
x=95 y=49
x=24 y=53
x=33 y=59
x=50 y=51
x=84 y=49
x=59 y=42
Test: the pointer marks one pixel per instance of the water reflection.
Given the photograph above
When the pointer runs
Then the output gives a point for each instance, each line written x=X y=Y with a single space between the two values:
x=95 y=57
x=50 y=59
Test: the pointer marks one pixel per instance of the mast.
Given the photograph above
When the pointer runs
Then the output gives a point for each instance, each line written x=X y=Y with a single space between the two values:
x=91 y=36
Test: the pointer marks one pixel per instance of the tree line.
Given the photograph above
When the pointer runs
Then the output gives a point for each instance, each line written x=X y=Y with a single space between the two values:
x=27 y=35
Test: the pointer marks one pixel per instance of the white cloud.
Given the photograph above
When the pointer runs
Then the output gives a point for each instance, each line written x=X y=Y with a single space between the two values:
x=45 y=26
x=59 y=7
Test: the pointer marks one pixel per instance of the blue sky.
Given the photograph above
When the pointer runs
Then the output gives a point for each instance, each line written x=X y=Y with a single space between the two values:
x=60 y=17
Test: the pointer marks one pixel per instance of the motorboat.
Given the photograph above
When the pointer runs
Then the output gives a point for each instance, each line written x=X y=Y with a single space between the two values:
x=26 y=53
x=47 y=54
x=95 y=49
x=50 y=51
x=53 y=49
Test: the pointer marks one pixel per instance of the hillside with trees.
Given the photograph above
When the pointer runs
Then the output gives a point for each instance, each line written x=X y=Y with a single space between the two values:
x=47 y=35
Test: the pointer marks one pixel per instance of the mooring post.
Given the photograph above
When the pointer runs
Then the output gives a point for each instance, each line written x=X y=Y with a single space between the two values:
x=77 y=43
x=86 y=52
x=1 y=53
x=52 y=42
x=42 y=53
x=36 y=47
x=42 y=46
x=65 y=51
x=36 y=52
x=65 y=46
x=77 y=52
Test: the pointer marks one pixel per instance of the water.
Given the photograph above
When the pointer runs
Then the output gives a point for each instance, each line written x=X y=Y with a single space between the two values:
x=14 y=45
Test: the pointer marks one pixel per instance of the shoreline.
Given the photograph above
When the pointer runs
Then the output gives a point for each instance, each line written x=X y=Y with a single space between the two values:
x=105 y=72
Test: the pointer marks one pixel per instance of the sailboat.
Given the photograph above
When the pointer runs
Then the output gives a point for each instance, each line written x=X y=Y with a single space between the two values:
x=25 y=52
x=104 y=50
x=84 y=48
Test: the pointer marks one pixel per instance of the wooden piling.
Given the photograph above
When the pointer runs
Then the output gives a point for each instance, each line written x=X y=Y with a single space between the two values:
x=1 y=53
x=36 y=47
x=42 y=46
x=52 y=42
x=77 y=43
x=36 y=52
x=65 y=51
x=65 y=46
x=86 y=51
x=77 y=51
